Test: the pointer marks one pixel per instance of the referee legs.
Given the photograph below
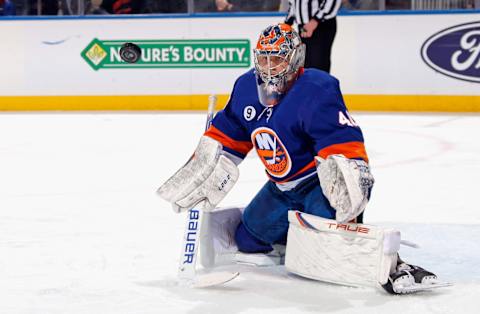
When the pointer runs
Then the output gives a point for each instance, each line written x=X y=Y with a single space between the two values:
x=319 y=46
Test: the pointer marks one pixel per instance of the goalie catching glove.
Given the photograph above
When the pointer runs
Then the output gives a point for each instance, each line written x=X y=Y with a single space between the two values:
x=206 y=178
x=346 y=183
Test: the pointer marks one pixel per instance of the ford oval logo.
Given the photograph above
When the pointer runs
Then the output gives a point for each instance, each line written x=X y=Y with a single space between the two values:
x=455 y=52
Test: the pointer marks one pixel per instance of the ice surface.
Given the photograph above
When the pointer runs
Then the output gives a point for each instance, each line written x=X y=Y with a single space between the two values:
x=82 y=231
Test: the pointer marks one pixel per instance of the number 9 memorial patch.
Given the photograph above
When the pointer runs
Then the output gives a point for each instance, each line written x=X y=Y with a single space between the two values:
x=249 y=113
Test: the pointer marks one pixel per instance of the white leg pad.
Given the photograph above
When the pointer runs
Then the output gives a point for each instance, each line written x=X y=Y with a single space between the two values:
x=217 y=242
x=342 y=253
x=217 y=239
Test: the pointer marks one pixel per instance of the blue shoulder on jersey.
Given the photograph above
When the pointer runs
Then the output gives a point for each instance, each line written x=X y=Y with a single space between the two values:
x=287 y=136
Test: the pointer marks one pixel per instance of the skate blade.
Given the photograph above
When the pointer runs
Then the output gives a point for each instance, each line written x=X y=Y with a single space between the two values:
x=212 y=279
x=420 y=287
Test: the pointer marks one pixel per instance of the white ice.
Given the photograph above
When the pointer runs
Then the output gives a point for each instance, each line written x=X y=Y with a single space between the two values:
x=82 y=230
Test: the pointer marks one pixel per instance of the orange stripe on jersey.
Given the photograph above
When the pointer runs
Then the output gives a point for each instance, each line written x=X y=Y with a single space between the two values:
x=309 y=166
x=268 y=153
x=226 y=141
x=348 y=149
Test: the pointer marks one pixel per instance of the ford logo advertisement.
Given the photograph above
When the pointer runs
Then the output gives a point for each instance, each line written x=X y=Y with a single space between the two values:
x=455 y=52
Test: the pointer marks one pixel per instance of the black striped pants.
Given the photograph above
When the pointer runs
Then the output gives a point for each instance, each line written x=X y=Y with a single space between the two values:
x=319 y=46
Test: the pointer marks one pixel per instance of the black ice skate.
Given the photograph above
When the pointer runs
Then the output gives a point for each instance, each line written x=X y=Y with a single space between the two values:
x=410 y=279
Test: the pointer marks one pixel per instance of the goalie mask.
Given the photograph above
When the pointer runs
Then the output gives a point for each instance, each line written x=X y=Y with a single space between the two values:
x=278 y=57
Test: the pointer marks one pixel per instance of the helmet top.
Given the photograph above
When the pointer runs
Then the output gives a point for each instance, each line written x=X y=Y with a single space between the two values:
x=278 y=39
x=278 y=56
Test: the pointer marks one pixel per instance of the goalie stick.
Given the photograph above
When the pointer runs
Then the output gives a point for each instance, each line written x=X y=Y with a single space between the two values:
x=196 y=221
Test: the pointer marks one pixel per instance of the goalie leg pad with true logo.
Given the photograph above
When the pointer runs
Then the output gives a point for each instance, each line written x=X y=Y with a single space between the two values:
x=347 y=254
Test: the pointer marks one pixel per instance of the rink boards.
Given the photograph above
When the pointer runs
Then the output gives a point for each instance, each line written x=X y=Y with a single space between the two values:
x=385 y=62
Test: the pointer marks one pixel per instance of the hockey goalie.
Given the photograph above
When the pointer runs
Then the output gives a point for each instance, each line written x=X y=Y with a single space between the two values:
x=309 y=213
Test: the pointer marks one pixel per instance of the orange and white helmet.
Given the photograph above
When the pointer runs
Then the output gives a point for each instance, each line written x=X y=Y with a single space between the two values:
x=278 y=57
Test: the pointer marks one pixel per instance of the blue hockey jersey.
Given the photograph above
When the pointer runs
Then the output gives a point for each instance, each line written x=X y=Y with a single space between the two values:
x=310 y=120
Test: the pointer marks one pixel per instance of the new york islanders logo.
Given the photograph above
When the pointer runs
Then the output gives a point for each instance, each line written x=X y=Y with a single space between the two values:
x=272 y=152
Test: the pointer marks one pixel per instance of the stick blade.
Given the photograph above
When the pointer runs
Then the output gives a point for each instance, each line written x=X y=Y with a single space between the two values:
x=213 y=279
